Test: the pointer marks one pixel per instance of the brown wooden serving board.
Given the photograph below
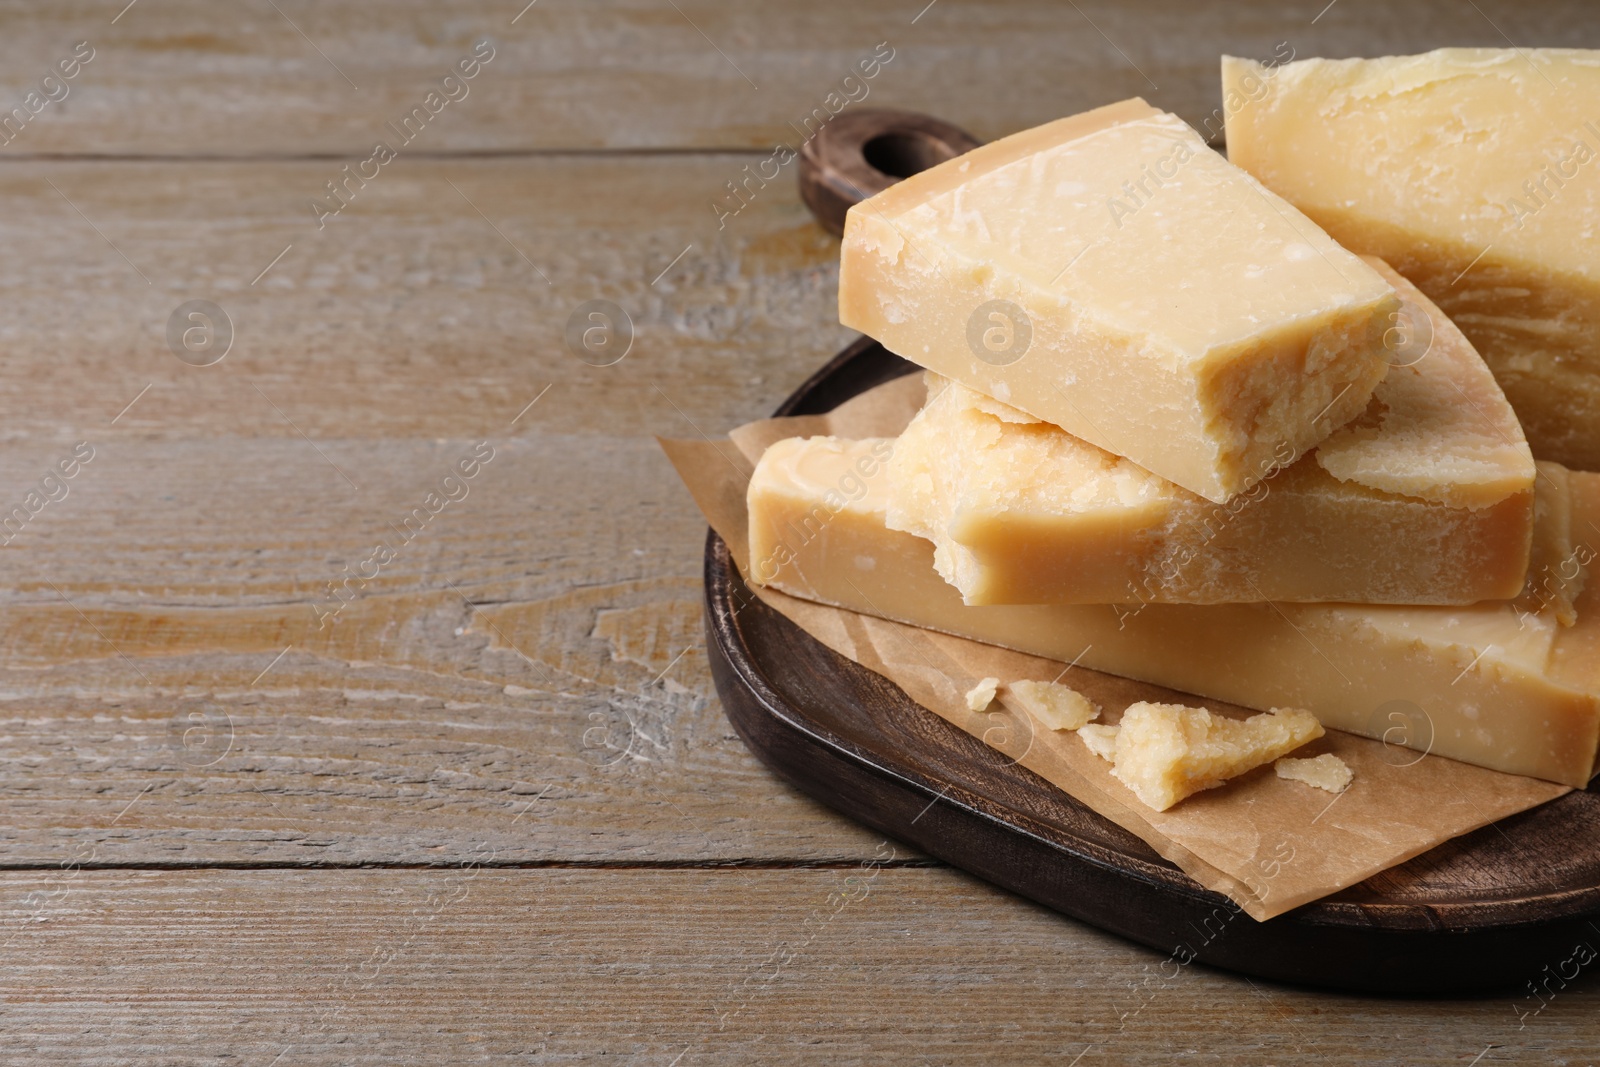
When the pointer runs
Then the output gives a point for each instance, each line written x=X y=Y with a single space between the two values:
x=1491 y=909
x=1494 y=908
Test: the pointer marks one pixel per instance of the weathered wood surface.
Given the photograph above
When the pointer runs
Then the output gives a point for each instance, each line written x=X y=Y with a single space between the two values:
x=408 y=314
x=847 y=966
x=189 y=551
x=568 y=715
x=191 y=77
x=521 y=683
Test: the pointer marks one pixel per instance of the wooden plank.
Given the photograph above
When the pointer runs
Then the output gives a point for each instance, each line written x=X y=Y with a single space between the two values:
x=423 y=309
x=219 y=506
x=856 y=965
x=187 y=77
x=168 y=639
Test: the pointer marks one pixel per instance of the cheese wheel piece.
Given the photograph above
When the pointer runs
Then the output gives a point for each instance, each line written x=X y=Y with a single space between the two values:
x=1503 y=684
x=1108 y=273
x=1426 y=499
x=1476 y=173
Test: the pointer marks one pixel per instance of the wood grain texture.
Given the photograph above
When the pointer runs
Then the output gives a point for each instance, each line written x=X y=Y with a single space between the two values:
x=552 y=722
x=850 y=966
x=188 y=77
x=421 y=310
x=221 y=505
x=184 y=540
x=524 y=671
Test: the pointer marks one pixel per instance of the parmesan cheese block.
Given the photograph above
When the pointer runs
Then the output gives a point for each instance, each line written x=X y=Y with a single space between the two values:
x=1165 y=752
x=1109 y=273
x=1426 y=499
x=1502 y=684
x=1476 y=173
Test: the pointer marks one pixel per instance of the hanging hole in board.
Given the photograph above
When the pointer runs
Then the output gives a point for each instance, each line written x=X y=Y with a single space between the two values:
x=864 y=151
x=902 y=154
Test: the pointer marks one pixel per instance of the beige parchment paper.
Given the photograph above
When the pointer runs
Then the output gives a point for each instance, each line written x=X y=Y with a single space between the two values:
x=1267 y=843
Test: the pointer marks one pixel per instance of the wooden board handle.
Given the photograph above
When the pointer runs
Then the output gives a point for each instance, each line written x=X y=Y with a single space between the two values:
x=864 y=151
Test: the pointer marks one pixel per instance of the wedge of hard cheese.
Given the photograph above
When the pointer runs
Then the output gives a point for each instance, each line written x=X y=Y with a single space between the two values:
x=1427 y=498
x=1476 y=173
x=1500 y=684
x=1112 y=275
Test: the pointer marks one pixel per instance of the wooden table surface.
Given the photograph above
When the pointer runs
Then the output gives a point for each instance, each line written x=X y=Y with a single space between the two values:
x=267 y=797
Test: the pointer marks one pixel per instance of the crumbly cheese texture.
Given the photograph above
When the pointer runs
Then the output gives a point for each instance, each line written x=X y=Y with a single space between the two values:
x=1165 y=752
x=1109 y=273
x=1326 y=771
x=981 y=695
x=1502 y=684
x=1476 y=172
x=1100 y=739
x=1058 y=706
x=1427 y=498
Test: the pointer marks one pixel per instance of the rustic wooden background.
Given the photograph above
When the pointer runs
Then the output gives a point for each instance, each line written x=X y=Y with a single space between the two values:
x=492 y=812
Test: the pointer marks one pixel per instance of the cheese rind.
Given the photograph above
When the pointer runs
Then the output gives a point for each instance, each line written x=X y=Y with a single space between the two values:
x=1476 y=173
x=1166 y=752
x=1427 y=498
x=1494 y=684
x=1140 y=278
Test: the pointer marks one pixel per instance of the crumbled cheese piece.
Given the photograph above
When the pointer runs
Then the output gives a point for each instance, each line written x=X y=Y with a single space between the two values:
x=1101 y=739
x=1058 y=706
x=1326 y=771
x=981 y=695
x=1166 y=752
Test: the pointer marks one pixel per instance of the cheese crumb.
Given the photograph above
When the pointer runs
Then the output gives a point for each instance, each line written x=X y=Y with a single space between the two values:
x=1165 y=752
x=1101 y=739
x=981 y=695
x=1058 y=706
x=1326 y=771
